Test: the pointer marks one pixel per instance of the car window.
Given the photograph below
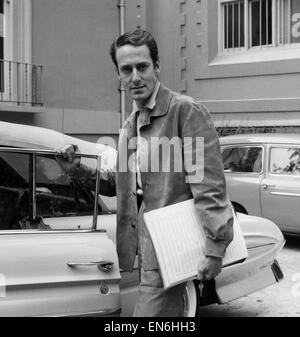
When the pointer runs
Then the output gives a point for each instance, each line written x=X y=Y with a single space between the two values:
x=57 y=196
x=285 y=161
x=14 y=189
x=242 y=159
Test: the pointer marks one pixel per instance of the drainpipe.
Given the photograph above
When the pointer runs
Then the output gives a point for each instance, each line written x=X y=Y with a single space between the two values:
x=121 y=6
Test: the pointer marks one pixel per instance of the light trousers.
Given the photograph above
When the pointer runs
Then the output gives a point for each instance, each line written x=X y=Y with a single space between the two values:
x=153 y=300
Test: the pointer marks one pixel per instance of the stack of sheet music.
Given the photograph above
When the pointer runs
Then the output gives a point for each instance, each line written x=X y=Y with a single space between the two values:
x=178 y=239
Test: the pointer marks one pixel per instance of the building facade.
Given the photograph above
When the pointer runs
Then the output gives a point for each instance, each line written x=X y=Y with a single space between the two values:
x=240 y=57
x=56 y=70
x=251 y=73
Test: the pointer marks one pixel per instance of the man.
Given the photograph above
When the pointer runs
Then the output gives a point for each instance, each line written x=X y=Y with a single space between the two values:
x=159 y=113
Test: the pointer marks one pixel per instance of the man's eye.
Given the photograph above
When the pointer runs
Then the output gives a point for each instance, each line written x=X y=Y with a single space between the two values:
x=142 y=67
x=126 y=70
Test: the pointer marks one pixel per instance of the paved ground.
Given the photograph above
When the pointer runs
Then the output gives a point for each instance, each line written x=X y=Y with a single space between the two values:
x=279 y=300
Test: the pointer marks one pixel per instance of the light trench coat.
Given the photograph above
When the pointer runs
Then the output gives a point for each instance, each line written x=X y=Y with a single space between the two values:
x=174 y=117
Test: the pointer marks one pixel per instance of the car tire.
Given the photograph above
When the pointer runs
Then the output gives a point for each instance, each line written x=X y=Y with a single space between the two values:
x=190 y=299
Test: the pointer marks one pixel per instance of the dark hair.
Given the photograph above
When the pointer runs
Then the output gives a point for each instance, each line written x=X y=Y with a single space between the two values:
x=135 y=38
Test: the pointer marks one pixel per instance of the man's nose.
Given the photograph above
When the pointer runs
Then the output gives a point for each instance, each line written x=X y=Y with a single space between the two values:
x=135 y=75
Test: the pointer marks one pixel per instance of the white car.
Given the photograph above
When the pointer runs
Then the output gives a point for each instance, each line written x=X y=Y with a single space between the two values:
x=57 y=241
x=263 y=176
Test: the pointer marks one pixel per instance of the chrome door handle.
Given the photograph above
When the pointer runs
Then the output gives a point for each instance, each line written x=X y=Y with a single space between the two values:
x=105 y=266
x=266 y=186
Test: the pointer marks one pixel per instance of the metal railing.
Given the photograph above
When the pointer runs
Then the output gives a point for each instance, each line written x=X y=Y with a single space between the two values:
x=20 y=83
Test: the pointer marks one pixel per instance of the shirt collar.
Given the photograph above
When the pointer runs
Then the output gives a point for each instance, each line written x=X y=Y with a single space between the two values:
x=151 y=102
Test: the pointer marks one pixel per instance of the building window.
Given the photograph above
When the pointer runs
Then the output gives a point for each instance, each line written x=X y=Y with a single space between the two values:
x=234 y=25
x=260 y=16
x=1 y=29
x=1 y=46
x=288 y=28
x=248 y=24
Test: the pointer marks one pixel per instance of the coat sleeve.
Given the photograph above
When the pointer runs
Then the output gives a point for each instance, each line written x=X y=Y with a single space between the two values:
x=205 y=174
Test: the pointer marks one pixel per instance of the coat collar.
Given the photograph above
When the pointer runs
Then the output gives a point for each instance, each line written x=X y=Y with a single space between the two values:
x=151 y=102
x=163 y=99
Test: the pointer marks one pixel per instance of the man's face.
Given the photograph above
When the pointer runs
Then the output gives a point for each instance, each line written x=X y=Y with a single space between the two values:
x=137 y=72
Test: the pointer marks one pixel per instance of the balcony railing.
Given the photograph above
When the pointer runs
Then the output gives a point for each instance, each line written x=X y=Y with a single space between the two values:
x=20 y=83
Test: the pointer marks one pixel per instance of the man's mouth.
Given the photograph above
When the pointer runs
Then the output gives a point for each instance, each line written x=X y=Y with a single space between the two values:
x=138 y=88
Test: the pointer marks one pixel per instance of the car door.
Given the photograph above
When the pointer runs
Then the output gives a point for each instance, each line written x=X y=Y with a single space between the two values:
x=46 y=269
x=243 y=167
x=280 y=195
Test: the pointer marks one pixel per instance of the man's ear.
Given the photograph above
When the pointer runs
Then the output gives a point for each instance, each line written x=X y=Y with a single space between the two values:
x=157 y=67
x=117 y=71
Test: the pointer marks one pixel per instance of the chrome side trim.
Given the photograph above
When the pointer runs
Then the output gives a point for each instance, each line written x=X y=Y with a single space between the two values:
x=286 y=194
x=278 y=175
x=63 y=231
x=110 y=312
x=123 y=271
x=42 y=152
x=259 y=234
x=33 y=183
x=112 y=281
x=95 y=214
x=260 y=246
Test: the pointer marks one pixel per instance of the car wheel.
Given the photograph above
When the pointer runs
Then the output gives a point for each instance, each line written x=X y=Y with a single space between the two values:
x=190 y=300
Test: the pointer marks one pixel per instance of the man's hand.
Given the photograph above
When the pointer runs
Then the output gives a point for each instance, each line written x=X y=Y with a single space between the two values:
x=66 y=158
x=209 y=267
